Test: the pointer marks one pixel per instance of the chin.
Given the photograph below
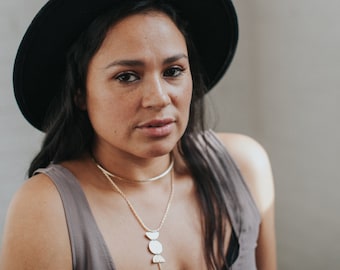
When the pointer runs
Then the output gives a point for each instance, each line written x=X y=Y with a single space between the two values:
x=161 y=149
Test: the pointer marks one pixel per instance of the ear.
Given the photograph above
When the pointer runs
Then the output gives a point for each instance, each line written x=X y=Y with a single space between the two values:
x=80 y=100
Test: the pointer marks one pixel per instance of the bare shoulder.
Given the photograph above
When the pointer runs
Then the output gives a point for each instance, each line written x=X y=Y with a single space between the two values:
x=254 y=165
x=35 y=228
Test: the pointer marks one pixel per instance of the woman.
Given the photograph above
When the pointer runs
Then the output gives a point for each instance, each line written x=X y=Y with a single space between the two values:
x=127 y=178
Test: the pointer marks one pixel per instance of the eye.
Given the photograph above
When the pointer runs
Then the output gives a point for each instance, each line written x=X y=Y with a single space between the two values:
x=173 y=71
x=127 y=77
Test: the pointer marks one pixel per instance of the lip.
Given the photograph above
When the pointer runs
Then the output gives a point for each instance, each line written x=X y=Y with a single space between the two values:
x=157 y=127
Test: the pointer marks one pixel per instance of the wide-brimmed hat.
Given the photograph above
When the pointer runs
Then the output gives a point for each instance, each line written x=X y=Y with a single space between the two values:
x=40 y=60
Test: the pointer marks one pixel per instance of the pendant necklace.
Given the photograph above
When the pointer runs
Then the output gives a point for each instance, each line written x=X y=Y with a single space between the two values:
x=155 y=247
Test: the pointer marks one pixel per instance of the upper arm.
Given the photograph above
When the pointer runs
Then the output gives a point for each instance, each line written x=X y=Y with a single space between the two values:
x=255 y=168
x=35 y=235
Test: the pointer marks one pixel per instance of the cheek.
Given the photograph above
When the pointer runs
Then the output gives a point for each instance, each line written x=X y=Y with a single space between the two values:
x=100 y=110
x=186 y=96
x=111 y=112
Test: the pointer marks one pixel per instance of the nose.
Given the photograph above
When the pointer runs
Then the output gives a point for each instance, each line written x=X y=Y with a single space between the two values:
x=155 y=94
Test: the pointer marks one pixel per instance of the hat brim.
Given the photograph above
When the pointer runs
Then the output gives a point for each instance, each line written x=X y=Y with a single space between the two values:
x=40 y=59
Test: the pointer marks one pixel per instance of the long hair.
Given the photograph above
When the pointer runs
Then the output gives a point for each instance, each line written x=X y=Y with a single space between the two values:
x=69 y=133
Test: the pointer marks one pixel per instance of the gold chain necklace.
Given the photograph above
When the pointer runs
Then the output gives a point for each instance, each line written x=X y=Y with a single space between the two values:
x=134 y=180
x=155 y=247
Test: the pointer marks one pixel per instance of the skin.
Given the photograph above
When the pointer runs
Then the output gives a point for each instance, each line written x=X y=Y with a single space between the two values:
x=140 y=79
x=138 y=97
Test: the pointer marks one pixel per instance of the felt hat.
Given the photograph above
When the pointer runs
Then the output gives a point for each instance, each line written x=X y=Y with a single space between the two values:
x=40 y=60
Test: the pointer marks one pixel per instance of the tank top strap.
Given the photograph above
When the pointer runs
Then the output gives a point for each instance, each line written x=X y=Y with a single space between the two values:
x=89 y=250
x=242 y=210
x=247 y=206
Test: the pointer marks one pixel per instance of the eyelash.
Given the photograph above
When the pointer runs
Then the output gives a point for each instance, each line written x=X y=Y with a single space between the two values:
x=172 y=72
x=178 y=71
x=125 y=77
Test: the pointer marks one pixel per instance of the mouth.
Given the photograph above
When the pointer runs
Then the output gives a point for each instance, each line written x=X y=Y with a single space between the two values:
x=156 y=123
x=157 y=127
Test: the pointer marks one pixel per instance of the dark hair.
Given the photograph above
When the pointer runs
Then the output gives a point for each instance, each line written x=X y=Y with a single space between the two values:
x=69 y=133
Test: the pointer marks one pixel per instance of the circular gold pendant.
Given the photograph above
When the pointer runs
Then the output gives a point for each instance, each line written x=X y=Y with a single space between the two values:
x=155 y=247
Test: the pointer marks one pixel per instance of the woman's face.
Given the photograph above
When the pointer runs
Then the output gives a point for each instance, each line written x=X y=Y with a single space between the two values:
x=139 y=87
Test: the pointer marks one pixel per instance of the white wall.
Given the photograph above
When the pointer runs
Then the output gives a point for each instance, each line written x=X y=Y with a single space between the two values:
x=283 y=89
x=18 y=139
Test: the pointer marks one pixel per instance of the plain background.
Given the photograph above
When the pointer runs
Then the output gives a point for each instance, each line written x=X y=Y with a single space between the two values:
x=283 y=89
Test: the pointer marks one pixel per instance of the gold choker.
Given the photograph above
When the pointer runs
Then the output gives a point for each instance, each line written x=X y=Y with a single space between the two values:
x=136 y=180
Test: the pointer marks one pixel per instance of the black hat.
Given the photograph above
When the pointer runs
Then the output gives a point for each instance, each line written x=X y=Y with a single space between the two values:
x=212 y=24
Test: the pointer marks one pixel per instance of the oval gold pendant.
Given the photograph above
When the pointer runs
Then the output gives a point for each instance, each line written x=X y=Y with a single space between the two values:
x=155 y=247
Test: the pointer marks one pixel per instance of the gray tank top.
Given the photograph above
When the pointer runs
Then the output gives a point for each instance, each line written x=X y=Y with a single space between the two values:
x=89 y=250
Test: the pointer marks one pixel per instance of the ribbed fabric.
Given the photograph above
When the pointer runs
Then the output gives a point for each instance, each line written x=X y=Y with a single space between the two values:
x=89 y=251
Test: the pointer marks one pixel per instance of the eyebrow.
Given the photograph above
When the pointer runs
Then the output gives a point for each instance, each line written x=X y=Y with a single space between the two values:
x=174 y=58
x=134 y=63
